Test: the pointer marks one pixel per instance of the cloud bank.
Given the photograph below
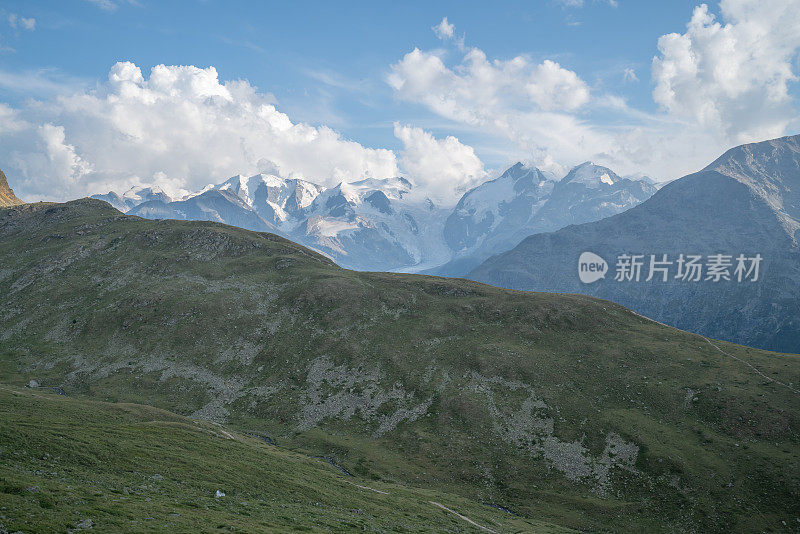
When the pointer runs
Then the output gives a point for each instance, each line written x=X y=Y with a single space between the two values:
x=726 y=79
x=720 y=83
x=181 y=127
x=732 y=77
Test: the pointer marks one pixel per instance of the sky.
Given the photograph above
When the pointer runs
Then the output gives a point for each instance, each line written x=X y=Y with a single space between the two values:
x=107 y=94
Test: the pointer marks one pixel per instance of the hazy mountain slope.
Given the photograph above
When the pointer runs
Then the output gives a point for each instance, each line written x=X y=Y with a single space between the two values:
x=215 y=205
x=495 y=216
x=7 y=196
x=133 y=197
x=562 y=408
x=142 y=469
x=589 y=193
x=743 y=203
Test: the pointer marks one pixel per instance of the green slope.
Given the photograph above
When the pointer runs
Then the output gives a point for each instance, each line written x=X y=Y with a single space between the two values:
x=127 y=467
x=562 y=408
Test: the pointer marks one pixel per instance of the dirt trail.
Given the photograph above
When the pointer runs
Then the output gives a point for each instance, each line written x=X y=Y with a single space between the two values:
x=370 y=489
x=465 y=518
x=751 y=366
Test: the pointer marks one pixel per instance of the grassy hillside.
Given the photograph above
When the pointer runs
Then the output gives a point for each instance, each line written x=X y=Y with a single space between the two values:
x=562 y=408
x=69 y=463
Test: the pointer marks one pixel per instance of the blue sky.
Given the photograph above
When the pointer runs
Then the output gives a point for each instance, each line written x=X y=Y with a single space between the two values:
x=329 y=64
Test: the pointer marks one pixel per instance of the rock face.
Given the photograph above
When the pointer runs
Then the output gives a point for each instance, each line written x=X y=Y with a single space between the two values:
x=497 y=215
x=747 y=202
x=7 y=196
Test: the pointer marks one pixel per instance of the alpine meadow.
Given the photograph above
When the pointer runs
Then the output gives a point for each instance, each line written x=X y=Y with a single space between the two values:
x=373 y=267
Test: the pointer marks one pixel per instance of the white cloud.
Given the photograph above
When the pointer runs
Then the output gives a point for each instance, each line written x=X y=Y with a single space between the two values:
x=630 y=75
x=444 y=30
x=179 y=128
x=533 y=105
x=15 y=21
x=732 y=77
x=478 y=90
x=580 y=3
x=720 y=83
x=111 y=5
x=107 y=5
x=444 y=168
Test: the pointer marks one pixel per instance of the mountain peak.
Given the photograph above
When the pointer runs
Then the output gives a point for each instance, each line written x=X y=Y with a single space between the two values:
x=771 y=169
x=7 y=196
x=591 y=175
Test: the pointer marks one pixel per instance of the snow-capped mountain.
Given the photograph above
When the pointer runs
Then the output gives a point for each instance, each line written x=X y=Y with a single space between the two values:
x=277 y=200
x=588 y=193
x=376 y=225
x=212 y=205
x=388 y=224
x=498 y=214
x=133 y=197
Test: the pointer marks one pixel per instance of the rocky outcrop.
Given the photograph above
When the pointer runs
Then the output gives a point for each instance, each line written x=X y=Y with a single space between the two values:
x=7 y=196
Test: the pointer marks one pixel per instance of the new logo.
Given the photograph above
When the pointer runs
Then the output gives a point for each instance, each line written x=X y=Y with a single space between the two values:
x=591 y=267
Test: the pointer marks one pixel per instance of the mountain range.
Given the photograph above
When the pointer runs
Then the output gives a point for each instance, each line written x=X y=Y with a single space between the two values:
x=389 y=225
x=512 y=409
x=746 y=203
x=498 y=214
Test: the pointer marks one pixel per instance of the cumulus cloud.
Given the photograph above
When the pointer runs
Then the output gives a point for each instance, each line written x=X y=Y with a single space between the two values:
x=180 y=128
x=732 y=76
x=720 y=83
x=478 y=90
x=444 y=168
x=444 y=30
x=534 y=105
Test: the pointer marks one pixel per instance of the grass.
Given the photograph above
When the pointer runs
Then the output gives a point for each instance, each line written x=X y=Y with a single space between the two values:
x=496 y=396
x=134 y=468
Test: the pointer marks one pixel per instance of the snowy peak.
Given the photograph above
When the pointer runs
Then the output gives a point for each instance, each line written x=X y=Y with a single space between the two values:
x=498 y=214
x=344 y=200
x=591 y=175
x=276 y=199
x=134 y=196
x=516 y=180
x=488 y=217
x=137 y=194
x=391 y=188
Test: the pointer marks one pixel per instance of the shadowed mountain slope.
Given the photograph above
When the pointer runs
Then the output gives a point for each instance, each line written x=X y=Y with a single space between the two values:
x=745 y=203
